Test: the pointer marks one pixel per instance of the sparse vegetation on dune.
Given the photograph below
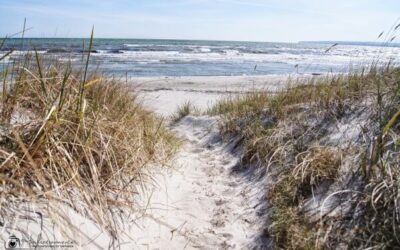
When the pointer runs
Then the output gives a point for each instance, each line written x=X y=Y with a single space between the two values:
x=183 y=110
x=72 y=138
x=331 y=149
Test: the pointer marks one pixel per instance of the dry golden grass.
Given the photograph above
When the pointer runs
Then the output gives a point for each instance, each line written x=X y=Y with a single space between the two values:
x=85 y=143
x=317 y=164
x=282 y=132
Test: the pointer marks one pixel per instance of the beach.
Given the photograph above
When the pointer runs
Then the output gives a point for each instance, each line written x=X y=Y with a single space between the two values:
x=164 y=95
x=177 y=144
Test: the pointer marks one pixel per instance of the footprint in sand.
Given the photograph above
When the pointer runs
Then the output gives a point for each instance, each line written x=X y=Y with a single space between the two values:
x=226 y=235
x=217 y=222
x=225 y=162
x=197 y=150
x=220 y=202
x=232 y=184
x=229 y=192
x=210 y=194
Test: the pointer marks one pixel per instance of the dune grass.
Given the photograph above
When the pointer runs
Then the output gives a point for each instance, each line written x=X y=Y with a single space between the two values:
x=187 y=108
x=289 y=133
x=75 y=138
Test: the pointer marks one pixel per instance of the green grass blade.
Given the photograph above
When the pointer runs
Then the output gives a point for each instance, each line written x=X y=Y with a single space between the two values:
x=42 y=83
x=82 y=85
x=7 y=54
x=67 y=73
x=391 y=122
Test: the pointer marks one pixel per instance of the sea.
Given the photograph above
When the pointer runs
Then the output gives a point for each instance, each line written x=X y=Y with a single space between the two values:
x=157 y=58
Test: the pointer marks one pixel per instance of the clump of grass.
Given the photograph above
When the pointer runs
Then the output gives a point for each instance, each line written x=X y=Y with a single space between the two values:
x=316 y=165
x=184 y=110
x=241 y=105
x=85 y=144
x=287 y=133
x=290 y=229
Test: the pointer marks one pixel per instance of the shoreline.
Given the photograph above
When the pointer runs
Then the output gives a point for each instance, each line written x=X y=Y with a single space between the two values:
x=215 y=83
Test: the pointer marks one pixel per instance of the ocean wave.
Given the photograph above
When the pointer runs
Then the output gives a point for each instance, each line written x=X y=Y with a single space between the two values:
x=58 y=50
x=159 y=57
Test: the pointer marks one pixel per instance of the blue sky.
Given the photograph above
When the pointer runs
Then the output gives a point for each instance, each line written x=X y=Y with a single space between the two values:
x=250 y=20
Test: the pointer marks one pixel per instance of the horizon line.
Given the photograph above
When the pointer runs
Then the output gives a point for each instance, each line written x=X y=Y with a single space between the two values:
x=216 y=40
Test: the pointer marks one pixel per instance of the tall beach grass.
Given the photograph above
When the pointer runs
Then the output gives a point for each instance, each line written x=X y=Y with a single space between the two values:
x=331 y=149
x=73 y=138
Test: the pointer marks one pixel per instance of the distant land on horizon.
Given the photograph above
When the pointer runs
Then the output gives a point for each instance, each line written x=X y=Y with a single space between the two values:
x=378 y=44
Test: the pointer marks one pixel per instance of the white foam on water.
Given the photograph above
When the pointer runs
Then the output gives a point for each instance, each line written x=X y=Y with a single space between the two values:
x=343 y=55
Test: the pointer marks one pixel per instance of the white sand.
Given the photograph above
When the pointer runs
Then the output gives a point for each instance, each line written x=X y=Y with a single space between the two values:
x=166 y=102
x=164 y=94
x=212 y=83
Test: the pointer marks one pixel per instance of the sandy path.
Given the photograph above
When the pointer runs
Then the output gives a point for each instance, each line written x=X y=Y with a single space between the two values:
x=200 y=203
